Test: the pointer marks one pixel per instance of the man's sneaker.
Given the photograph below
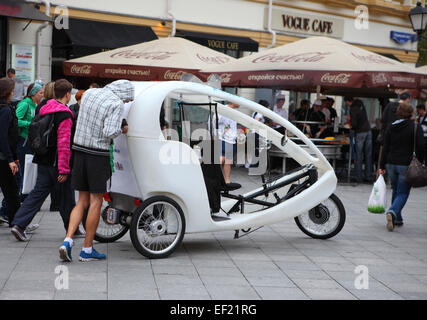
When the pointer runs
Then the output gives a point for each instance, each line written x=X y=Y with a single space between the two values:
x=4 y=219
x=398 y=223
x=65 y=251
x=390 y=221
x=32 y=227
x=91 y=256
x=19 y=234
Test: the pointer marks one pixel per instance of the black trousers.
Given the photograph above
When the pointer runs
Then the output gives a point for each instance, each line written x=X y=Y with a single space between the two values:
x=9 y=187
x=47 y=179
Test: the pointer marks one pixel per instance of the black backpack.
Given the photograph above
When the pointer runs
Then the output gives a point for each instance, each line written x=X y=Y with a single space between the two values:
x=40 y=134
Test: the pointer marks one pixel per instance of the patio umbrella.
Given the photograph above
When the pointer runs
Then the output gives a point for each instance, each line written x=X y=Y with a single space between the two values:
x=161 y=59
x=316 y=61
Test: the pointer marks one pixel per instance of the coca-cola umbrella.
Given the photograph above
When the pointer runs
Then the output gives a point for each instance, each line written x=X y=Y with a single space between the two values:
x=161 y=59
x=316 y=61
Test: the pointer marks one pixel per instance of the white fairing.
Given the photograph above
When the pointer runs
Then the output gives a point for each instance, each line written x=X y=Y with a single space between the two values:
x=181 y=178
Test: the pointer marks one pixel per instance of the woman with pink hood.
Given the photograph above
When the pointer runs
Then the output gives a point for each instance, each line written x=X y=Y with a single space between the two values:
x=54 y=166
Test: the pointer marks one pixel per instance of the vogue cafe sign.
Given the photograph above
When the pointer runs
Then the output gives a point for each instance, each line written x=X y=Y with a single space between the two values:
x=282 y=20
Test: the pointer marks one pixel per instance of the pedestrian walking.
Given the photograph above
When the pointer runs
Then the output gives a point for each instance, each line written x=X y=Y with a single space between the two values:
x=25 y=112
x=363 y=141
x=396 y=157
x=8 y=154
x=49 y=93
x=54 y=166
x=99 y=121
x=389 y=113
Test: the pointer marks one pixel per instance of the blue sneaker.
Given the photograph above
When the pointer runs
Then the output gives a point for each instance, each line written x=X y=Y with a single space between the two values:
x=92 y=256
x=65 y=251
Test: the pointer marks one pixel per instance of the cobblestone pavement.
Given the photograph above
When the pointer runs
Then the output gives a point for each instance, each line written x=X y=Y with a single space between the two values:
x=276 y=262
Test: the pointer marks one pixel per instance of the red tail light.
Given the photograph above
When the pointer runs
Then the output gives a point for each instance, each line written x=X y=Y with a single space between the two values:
x=137 y=202
x=107 y=197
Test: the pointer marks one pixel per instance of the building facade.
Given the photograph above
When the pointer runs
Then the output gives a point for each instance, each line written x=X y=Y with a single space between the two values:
x=236 y=27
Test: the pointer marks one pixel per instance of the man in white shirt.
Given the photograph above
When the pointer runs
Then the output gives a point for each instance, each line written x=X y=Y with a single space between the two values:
x=279 y=108
x=19 y=92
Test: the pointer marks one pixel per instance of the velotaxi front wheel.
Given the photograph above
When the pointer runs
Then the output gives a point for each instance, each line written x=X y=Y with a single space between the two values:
x=323 y=221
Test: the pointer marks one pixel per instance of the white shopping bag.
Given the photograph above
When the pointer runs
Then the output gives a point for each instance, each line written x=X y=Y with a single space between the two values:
x=30 y=174
x=123 y=179
x=377 y=200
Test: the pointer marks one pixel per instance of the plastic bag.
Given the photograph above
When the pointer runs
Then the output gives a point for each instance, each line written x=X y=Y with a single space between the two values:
x=30 y=174
x=377 y=200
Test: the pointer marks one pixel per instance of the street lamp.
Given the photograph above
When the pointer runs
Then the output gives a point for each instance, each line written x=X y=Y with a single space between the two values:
x=418 y=17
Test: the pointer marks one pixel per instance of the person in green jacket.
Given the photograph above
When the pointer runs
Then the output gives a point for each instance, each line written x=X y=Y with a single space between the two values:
x=25 y=112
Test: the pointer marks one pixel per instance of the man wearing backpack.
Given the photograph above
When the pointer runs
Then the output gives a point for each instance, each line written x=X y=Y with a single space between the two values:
x=53 y=158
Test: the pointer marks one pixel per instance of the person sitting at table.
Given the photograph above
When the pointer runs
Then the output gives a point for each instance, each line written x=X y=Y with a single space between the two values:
x=325 y=110
x=316 y=130
x=302 y=113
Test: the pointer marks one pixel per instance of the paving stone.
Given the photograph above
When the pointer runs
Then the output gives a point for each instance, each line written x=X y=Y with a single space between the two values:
x=375 y=295
x=316 y=284
x=223 y=292
x=329 y=294
x=184 y=293
x=280 y=293
x=264 y=281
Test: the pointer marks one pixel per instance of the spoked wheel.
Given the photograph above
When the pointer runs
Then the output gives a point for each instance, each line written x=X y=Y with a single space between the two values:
x=107 y=233
x=325 y=220
x=157 y=227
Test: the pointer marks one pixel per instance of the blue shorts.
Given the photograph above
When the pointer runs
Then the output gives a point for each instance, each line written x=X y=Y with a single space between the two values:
x=228 y=150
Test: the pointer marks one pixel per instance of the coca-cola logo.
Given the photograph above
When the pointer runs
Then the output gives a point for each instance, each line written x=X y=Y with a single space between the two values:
x=302 y=57
x=341 y=78
x=173 y=75
x=225 y=77
x=83 y=69
x=213 y=59
x=372 y=58
x=134 y=54
x=379 y=78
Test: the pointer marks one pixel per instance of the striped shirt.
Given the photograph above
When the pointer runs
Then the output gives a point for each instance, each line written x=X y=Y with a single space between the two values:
x=100 y=117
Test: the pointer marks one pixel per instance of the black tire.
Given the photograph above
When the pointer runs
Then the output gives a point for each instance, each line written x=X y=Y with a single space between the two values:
x=334 y=231
x=102 y=237
x=137 y=218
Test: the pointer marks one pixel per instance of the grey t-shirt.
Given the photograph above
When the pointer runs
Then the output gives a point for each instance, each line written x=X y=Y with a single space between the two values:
x=18 y=94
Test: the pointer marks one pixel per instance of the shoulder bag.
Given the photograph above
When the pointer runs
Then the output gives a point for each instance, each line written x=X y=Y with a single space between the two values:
x=416 y=175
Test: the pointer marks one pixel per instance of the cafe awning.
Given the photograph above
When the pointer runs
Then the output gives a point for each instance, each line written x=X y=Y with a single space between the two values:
x=219 y=41
x=21 y=9
x=316 y=61
x=161 y=59
x=88 y=37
